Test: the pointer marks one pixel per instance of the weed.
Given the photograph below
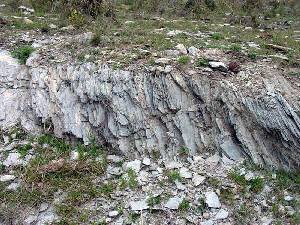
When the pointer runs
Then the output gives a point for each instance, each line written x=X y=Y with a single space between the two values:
x=214 y=182
x=23 y=150
x=183 y=60
x=252 y=55
x=152 y=201
x=184 y=206
x=202 y=62
x=23 y=53
x=201 y=205
x=256 y=184
x=217 y=36
x=132 y=178
x=76 y=19
x=236 y=48
x=183 y=151
x=227 y=195
x=174 y=175
x=59 y=144
x=107 y=189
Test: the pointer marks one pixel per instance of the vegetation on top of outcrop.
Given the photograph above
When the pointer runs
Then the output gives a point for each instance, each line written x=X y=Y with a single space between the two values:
x=22 y=53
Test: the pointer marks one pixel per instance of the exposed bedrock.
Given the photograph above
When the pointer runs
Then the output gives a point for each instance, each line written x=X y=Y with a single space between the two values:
x=253 y=114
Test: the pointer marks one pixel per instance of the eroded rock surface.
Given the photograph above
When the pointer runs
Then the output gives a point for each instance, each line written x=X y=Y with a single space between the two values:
x=253 y=114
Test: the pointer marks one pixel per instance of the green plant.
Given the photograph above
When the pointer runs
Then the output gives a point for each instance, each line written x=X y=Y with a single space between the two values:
x=256 y=184
x=236 y=48
x=184 y=206
x=23 y=150
x=217 y=36
x=201 y=205
x=152 y=201
x=174 y=175
x=22 y=53
x=252 y=55
x=183 y=60
x=184 y=151
x=77 y=19
x=107 y=189
x=202 y=62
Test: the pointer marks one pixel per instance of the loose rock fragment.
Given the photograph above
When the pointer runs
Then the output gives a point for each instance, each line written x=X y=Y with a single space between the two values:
x=212 y=200
x=173 y=203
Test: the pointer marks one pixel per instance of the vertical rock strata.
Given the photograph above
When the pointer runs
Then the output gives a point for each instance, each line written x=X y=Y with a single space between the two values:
x=253 y=114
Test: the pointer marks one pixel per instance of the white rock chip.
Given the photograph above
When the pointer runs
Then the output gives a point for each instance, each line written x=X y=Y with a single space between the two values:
x=198 y=179
x=13 y=186
x=135 y=165
x=288 y=198
x=146 y=161
x=193 y=51
x=113 y=213
x=185 y=173
x=249 y=176
x=13 y=159
x=5 y=178
x=207 y=222
x=181 y=48
x=173 y=203
x=212 y=200
x=218 y=65
x=222 y=214
x=138 y=205
x=74 y=155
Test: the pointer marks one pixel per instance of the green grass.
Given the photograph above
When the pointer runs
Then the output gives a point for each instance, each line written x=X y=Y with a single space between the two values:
x=256 y=184
x=23 y=150
x=217 y=36
x=174 y=175
x=152 y=201
x=184 y=60
x=184 y=206
x=201 y=62
x=22 y=53
x=129 y=181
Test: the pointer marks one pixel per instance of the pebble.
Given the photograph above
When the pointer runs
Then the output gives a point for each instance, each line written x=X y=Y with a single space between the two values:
x=13 y=159
x=173 y=203
x=113 y=213
x=6 y=178
x=288 y=198
x=181 y=48
x=138 y=205
x=207 y=222
x=135 y=165
x=222 y=214
x=13 y=186
x=198 y=179
x=185 y=173
x=212 y=200
x=146 y=161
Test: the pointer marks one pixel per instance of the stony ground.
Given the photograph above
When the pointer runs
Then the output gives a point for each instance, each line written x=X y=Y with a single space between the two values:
x=45 y=180
x=48 y=180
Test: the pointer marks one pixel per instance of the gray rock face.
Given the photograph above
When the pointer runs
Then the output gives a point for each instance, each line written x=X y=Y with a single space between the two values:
x=252 y=115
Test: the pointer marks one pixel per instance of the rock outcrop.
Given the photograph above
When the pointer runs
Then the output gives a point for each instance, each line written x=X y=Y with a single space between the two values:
x=253 y=114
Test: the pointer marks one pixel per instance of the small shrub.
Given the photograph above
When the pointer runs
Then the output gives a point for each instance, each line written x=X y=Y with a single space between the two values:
x=201 y=205
x=252 y=55
x=22 y=53
x=23 y=150
x=96 y=39
x=256 y=184
x=76 y=19
x=174 y=176
x=152 y=201
x=184 y=206
x=236 y=48
x=183 y=151
x=202 y=62
x=183 y=60
x=217 y=36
